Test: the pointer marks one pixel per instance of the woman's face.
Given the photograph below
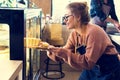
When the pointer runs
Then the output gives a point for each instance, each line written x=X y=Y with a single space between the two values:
x=69 y=19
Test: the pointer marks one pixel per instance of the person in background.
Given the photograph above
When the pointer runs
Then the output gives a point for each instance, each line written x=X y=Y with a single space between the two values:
x=88 y=48
x=96 y=11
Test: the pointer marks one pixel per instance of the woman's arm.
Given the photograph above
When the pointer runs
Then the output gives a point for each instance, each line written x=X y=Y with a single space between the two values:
x=116 y=23
x=69 y=45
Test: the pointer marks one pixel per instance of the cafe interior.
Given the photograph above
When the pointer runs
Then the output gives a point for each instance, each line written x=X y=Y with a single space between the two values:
x=26 y=23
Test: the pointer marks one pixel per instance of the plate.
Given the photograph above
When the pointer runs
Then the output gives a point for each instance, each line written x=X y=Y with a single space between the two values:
x=42 y=48
x=37 y=47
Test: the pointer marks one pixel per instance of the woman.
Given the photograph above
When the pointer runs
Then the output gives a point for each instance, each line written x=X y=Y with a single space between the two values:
x=88 y=47
x=97 y=12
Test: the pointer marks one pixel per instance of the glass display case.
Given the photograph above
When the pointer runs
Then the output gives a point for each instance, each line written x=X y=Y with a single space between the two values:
x=17 y=24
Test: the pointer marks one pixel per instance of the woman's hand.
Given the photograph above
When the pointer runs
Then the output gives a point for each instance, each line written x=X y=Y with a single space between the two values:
x=59 y=52
x=52 y=52
x=117 y=25
x=49 y=52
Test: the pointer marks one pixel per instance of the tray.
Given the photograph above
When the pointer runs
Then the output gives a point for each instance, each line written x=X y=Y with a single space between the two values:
x=37 y=47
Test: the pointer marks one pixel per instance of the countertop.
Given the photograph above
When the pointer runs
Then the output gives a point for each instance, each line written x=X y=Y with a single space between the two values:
x=9 y=69
x=116 y=38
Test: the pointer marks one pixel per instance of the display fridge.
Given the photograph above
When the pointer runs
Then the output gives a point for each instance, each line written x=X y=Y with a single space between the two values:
x=17 y=24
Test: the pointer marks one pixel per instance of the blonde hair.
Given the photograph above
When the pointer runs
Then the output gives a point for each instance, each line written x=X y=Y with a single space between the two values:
x=80 y=9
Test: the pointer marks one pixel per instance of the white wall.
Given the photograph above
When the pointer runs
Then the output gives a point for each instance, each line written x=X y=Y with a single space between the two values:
x=59 y=7
x=117 y=7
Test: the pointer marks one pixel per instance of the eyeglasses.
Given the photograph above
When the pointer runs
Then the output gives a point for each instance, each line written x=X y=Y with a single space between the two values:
x=66 y=17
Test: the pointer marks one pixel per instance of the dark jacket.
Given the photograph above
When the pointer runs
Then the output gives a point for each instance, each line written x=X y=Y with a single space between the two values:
x=96 y=9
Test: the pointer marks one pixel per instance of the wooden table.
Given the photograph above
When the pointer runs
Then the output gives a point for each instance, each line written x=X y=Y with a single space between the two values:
x=10 y=70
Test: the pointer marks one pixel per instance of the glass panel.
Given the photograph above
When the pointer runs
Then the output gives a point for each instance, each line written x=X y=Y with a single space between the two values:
x=4 y=41
x=32 y=38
